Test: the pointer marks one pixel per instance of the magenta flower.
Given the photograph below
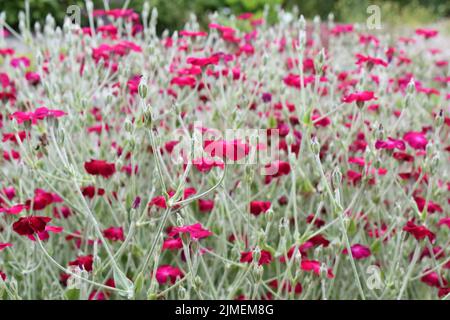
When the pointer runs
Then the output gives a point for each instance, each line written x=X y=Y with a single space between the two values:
x=416 y=140
x=359 y=97
x=390 y=144
x=358 y=251
x=165 y=272
x=195 y=231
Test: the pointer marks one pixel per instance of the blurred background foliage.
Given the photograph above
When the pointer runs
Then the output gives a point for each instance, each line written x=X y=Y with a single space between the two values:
x=174 y=13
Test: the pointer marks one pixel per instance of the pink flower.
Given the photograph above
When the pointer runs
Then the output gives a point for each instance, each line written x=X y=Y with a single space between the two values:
x=341 y=29
x=196 y=231
x=205 y=205
x=114 y=234
x=100 y=167
x=416 y=140
x=186 y=81
x=390 y=144
x=265 y=257
x=433 y=279
x=203 y=62
x=419 y=232
x=358 y=251
x=258 y=207
x=29 y=225
x=444 y=221
x=172 y=244
x=205 y=164
x=15 y=209
x=24 y=61
x=359 y=97
x=187 y=33
x=317 y=240
x=83 y=262
x=370 y=61
x=277 y=168
x=39 y=114
x=314 y=266
x=233 y=150
x=5 y=245
x=165 y=272
x=427 y=33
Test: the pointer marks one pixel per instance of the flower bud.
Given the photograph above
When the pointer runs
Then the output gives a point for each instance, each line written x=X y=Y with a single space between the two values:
x=302 y=23
x=143 y=88
x=128 y=126
x=411 y=88
x=440 y=119
x=258 y=271
x=182 y=293
x=434 y=164
x=315 y=146
x=147 y=117
x=256 y=254
x=337 y=177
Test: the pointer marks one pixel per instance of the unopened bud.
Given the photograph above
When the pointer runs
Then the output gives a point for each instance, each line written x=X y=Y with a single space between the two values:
x=256 y=254
x=411 y=87
x=148 y=117
x=434 y=164
x=440 y=119
x=315 y=146
x=143 y=88
x=337 y=177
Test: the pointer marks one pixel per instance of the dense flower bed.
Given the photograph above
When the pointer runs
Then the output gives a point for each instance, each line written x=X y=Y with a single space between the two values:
x=295 y=161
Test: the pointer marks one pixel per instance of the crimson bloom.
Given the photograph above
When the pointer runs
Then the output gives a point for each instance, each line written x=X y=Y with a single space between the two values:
x=265 y=257
x=433 y=279
x=205 y=205
x=258 y=207
x=358 y=251
x=370 y=61
x=39 y=114
x=5 y=245
x=314 y=266
x=444 y=221
x=202 y=62
x=83 y=262
x=419 y=232
x=232 y=150
x=27 y=226
x=165 y=272
x=359 y=97
x=172 y=244
x=100 y=167
x=427 y=33
x=15 y=209
x=114 y=234
x=205 y=165
x=196 y=231
x=390 y=144
x=277 y=168
x=42 y=199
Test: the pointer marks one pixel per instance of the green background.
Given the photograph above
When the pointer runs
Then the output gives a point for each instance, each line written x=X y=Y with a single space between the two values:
x=173 y=13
